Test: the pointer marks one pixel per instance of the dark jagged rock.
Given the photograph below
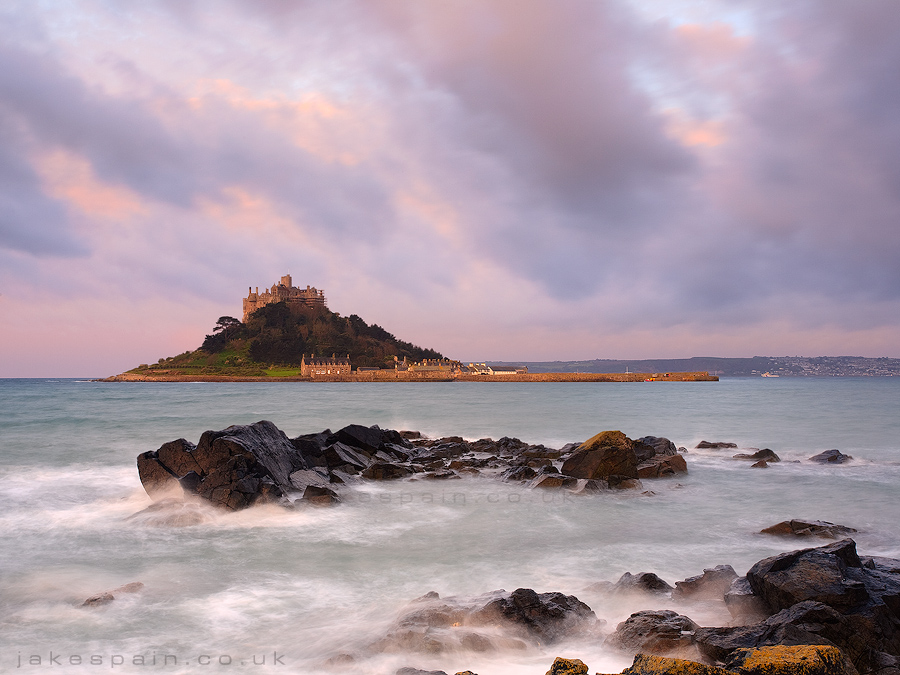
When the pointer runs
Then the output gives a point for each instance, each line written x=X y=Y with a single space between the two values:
x=809 y=528
x=831 y=457
x=607 y=454
x=761 y=464
x=655 y=631
x=714 y=445
x=646 y=582
x=518 y=473
x=660 y=445
x=764 y=454
x=544 y=616
x=713 y=583
x=158 y=481
x=822 y=595
x=418 y=671
x=341 y=456
x=367 y=439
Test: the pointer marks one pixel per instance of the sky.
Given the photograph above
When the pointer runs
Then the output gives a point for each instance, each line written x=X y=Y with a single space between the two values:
x=495 y=179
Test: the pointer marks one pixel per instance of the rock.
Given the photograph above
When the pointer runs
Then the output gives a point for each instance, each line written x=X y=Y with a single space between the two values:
x=386 y=471
x=418 y=671
x=662 y=465
x=761 y=464
x=178 y=457
x=563 y=666
x=624 y=483
x=409 y=435
x=660 y=445
x=553 y=481
x=158 y=481
x=713 y=583
x=586 y=487
x=99 y=599
x=655 y=631
x=765 y=454
x=646 y=582
x=341 y=456
x=831 y=457
x=811 y=528
x=172 y=513
x=318 y=495
x=820 y=596
x=303 y=478
x=262 y=444
x=648 y=664
x=742 y=604
x=368 y=439
x=544 y=616
x=789 y=660
x=518 y=473
x=108 y=596
x=606 y=454
x=714 y=445
x=435 y=625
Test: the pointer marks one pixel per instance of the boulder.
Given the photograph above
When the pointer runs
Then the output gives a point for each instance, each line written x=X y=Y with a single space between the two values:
x=616 y=482
x=563 y=666
x=518 y=473
x=545 y=617
x=713 y=583
x=341 y=456
x=646 y=582
x=660 y=445
x=765 y=454
x=318 y=495
x=761 y=464
x=418 y=671
x=655 y=631
x=367 y=439
x=789 y=660
x=648 y=664
x=714 y=445
x=808 y=528
x=606 y=454
x=662 y=465
x=159 y=483
x=831 y=457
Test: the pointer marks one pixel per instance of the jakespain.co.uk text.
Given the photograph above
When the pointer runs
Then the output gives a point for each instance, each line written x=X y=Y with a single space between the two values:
x=52 y=659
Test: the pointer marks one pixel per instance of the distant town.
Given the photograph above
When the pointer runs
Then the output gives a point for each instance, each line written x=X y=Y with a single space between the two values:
x=756 y=366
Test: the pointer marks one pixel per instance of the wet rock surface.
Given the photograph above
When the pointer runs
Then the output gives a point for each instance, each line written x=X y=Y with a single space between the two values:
x=252 y=464
x=831 y=457
x=808 y=528
x=653 y=631
x=715 y=582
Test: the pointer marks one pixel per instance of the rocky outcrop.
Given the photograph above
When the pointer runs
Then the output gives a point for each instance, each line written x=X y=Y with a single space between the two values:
x=824 y=595
x=831 y=457
x=785 y=660
x=808 y=528
x=563 y=666
x=609 y=453
x=715 y=445
x=649 y=664
x=251 y=464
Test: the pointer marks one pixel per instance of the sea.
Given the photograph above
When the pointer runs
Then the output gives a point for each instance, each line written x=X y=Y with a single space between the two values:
x=272 y=590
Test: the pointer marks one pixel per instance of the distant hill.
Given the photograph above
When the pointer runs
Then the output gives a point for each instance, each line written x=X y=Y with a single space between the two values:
x=275 y=338
x=783 y=366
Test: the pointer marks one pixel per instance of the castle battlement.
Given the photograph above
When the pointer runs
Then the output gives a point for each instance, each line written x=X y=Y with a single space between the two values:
x=283 y=291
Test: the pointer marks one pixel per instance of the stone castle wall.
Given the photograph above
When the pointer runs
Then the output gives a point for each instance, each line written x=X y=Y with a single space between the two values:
x=283 y=291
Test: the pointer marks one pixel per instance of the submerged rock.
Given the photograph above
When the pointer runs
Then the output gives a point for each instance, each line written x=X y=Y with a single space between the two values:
x=108 y=596
x=765 y=455
x=808 y=528
x=831 y=457
x=714 y=445
x=645 y=582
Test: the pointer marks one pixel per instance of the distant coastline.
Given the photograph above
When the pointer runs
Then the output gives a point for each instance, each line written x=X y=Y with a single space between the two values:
x=401 y=376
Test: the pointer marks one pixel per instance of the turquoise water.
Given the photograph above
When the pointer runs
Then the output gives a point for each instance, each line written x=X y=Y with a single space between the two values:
x=311 y=584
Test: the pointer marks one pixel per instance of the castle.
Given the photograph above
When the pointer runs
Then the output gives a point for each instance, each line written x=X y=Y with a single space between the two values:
x=282 y=291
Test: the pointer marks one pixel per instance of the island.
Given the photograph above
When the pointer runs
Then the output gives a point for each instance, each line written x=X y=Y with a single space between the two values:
x=288 y=334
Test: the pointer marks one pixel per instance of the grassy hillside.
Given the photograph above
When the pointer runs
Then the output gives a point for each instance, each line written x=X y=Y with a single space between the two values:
x=275 y=338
